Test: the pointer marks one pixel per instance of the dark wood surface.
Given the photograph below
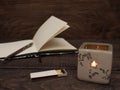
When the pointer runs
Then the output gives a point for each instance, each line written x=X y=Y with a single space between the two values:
x=87 y=18
x=15 y=75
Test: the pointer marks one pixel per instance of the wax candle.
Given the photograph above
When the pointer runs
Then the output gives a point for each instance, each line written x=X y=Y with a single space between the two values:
x=95 y=62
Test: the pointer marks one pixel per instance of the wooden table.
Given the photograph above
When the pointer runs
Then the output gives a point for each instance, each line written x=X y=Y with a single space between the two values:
x=15 y=75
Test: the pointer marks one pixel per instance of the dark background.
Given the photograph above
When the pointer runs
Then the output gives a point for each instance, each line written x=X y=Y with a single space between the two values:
x=88 y=19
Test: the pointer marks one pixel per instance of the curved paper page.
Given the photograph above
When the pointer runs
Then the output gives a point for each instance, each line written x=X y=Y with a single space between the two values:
x=57 y=44
x=52 y=27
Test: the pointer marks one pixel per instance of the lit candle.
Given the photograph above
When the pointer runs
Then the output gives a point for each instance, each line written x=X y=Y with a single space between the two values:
x=94 y=64
x=98 y=47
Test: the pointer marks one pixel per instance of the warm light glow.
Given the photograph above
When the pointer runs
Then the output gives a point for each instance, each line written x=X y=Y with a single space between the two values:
x=94 y=64
x=98 y=47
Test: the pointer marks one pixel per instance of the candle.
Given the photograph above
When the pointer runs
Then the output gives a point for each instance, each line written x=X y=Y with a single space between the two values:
x=95 y=62
x=98 y=47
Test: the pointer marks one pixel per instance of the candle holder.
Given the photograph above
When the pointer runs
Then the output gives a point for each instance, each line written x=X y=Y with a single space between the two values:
x=95 y=62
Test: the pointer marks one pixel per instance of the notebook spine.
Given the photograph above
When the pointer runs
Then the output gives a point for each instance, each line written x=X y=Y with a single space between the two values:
x=38 y=55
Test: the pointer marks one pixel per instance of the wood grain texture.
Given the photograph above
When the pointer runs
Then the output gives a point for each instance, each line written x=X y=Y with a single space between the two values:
x=15 y=75
x=66 y=83
x=89 y=19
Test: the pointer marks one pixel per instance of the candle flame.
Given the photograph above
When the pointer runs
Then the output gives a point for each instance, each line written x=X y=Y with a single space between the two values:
x=98 y=47
x=94 y=64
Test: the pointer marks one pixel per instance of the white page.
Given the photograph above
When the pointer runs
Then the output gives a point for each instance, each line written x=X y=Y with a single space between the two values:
x=57 y=44
x=48 y=30
x=10 y=47
x=52 y=27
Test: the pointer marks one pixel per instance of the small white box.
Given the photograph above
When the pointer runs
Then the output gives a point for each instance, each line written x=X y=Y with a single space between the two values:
x=95 y=62
x=48 y=73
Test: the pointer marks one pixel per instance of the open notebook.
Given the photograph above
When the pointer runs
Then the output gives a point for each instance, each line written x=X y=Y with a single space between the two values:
x=43 y=40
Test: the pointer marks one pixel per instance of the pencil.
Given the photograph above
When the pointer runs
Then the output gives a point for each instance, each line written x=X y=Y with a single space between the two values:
x=18 y=51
